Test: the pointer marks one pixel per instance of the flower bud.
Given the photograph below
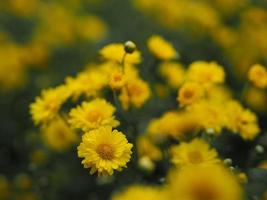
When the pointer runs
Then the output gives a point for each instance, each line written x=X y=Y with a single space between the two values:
x=129 y=47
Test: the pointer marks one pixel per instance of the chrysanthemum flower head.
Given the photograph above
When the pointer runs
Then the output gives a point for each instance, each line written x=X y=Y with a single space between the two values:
x=104 y=150
x=196 y=152
x=205 y=73
x=146 y=148
x=161 y=48
x=115 y=52
x=257 y=74
x=93 y=114
x=190 y=93
x=173 y=72
x=117 y=80
x=46 y=107
x=201 y=183
x=241 y=121
x=58 y=135
x=140 y=192
x=135 y=92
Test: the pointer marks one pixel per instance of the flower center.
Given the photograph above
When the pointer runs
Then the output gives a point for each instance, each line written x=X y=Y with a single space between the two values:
x=204 y=192
x=94 y=116
x=188 y=94
x=105 y=151
x=195 y=157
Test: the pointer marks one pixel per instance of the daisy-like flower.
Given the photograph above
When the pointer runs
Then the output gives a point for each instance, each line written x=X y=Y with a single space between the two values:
x=104 y=150
x=46 y=107
x=203 y=183
x=92 y=115
x=257 y=74
x=197 y=152
x=205 y=73
x=190 y=93
x=161 y=48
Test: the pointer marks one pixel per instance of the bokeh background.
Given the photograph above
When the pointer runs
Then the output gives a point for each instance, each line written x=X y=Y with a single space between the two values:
x=44 y=41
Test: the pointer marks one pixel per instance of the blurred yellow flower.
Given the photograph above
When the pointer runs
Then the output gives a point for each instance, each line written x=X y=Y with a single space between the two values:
x=46 y=107
x=4 y=188
x=205 y=73
x=115 y=52
x=145 y=148
x=161 y=48
x=197 y=152
x=140 y=192
x=256 y=98
x=104 y=150
x=93 y=114
x=199 y=183
x=241 y=121
x=135 y=92
x=117 y=80
x=58 y=136
x=173 y=72
x=257 y=74
x=190 y=93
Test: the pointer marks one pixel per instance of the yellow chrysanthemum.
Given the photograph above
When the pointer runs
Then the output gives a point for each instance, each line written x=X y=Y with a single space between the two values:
x=92 y=115
x=146 y=148
x=241 y=121
x=190 y=93
x=161 y=48
x=115 y=52
x=175 y=124
x=196 y=152
x=117 y=80
x=201 y=183
x=87 y=83
x=46 y=107
x=58 y=136
x=140 y=192
x=135 y=92
x=173 y=72
x=205 y=73
x=256 y=98
x=257 y=74
x=211 y=115
x=104 y=150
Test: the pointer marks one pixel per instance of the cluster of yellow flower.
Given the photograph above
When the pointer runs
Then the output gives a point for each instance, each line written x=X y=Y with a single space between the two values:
x=206 y=107
x=62 y=26
x=242 y=45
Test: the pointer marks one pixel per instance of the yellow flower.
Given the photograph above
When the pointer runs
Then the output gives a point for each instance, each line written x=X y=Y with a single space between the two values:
x=256 y=98
x=263 y=165
x=115 y=52
x=211 y=115
x=46 y=107
x=117 y=80
x=205 y=73
x=92 y=115
x=58 y=136
x=257 y=74
x=173 y=72
x=135 y=92
x=88 y=83
x=146 y=148
x=104 y=150
x=91 y=28
x=140 y=192
x=242 y=121
x=190 y=93
x=196 y=152
x=199 y=183
x=175 y=124
x=161 y=48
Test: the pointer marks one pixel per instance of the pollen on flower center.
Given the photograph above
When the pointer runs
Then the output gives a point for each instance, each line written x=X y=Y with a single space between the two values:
x=195 y=157
x=105 y=151
x=206 y=192
x=188 y=94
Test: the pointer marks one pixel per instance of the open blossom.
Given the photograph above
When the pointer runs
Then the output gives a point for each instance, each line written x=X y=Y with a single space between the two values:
x=93 y=114
x=46 y=107
x=104 y=150
x=257 y=74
